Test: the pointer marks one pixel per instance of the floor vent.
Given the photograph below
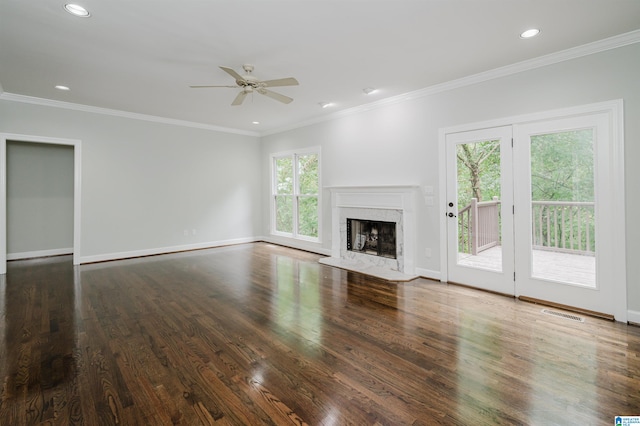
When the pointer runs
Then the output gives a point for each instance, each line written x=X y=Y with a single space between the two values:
x=563 y=315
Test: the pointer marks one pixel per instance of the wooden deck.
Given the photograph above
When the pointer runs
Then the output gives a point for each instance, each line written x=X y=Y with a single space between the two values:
x=548 y=265
x=257 y=334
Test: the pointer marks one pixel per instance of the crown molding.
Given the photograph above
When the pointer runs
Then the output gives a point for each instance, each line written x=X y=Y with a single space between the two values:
x=530 y=64
x=117 y=113
x=542 y=61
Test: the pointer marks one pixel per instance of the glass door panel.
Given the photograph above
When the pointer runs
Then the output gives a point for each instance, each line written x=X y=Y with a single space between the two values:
x=479 y=199
x=563 y=243
x=479 y=209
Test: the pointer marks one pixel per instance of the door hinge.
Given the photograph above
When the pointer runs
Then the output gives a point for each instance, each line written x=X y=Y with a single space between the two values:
x=511 y=142
x=513 y=209
x=514 y=276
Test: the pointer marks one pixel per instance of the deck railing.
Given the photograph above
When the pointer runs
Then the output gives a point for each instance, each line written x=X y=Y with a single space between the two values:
x=479 y=226
x=563 y=226
x=566 y=226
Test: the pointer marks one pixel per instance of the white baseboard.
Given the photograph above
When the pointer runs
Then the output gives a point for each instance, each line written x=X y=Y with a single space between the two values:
x=39 y=253
x=297 y=244
x=163 y=250
x=428 y=273
x=633 y=316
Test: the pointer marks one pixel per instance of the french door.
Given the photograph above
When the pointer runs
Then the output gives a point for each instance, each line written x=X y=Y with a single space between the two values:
x=564 y=212
x=479 y=209
x=531 y=211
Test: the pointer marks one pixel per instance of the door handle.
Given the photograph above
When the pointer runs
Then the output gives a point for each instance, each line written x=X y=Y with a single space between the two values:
x=451 y=215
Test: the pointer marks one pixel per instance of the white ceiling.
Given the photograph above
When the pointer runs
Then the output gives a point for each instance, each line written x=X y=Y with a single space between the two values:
x=142 y=56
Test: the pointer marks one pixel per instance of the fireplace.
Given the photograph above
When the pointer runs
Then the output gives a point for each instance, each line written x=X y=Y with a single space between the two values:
x=373 y=230
x=372 y=237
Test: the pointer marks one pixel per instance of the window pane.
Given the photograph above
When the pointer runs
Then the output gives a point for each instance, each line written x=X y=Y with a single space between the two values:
x=308 y=173
x=563 y=207
x=284 y=213
x=308 y=216
x=284 y=175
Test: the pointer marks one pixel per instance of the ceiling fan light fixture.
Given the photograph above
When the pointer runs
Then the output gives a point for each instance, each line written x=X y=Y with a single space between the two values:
x=530 y=33
x=77 y=10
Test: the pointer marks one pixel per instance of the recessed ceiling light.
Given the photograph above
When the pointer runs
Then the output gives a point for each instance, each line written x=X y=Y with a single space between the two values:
x=530 y=33
x=325 y=104
x=255 y=122
x=60 y=87
x=369 y=90
x=77 y=10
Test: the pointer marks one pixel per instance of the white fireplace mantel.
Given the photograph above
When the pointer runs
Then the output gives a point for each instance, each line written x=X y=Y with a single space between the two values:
x=376 y=200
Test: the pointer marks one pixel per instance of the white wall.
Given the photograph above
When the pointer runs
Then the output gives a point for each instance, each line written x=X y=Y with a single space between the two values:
x=39 y=199
x=398 y=144
x=144 y=183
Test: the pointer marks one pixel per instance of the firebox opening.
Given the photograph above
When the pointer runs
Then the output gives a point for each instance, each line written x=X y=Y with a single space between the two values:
x=372 y=237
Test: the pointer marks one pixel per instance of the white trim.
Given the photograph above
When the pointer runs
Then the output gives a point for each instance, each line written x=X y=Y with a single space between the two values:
x=3 y=204
x=616 y=117
x=39 y=253
x=296 y=244
x=77 y=192
x=610 y=43
x=633 y=317
x=442 y=177
x=164 y=250
x=429 y=274
x=572 y=111
x=117 y=113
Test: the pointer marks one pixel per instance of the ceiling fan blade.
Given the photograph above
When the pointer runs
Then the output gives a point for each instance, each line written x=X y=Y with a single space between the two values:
x=240 y=98
x=232 y=73
x=276 y=96
x=281 y=82
x=202 y=87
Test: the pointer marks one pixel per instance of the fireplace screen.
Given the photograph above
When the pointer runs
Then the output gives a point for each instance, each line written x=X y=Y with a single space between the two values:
x=372 y=237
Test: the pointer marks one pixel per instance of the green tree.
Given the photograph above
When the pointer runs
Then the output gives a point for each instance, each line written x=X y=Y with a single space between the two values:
x=284 y=194
x=562 y=166
x=308 y=195
x=296 y=194
x=478 y=171
x=562 y=169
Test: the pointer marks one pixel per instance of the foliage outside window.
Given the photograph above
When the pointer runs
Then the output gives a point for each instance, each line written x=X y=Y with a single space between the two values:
x=296 y=201
x=563 y=172
x=562 y=186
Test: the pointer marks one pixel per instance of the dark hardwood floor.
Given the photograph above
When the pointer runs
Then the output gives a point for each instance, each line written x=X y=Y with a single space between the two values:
x=259 y=334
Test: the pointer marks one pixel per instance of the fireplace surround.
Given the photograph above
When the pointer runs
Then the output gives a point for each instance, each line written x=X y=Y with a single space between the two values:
x=374 y=204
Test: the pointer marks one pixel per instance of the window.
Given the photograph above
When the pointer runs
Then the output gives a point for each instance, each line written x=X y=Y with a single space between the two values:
x=296 y=195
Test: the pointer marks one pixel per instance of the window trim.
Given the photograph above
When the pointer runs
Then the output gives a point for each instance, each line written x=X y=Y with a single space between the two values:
x=294 y=154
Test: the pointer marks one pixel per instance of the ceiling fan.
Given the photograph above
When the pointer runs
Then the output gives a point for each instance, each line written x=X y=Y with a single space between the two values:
x=250 y=84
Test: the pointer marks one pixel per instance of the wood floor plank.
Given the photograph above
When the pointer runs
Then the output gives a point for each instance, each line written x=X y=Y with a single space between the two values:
x=261 y=334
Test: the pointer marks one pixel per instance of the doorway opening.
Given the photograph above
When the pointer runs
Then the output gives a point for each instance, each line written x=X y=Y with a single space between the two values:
x=76 y=146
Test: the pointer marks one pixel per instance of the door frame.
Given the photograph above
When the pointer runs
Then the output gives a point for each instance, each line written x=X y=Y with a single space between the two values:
x=614 y=111
x=77 y=180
